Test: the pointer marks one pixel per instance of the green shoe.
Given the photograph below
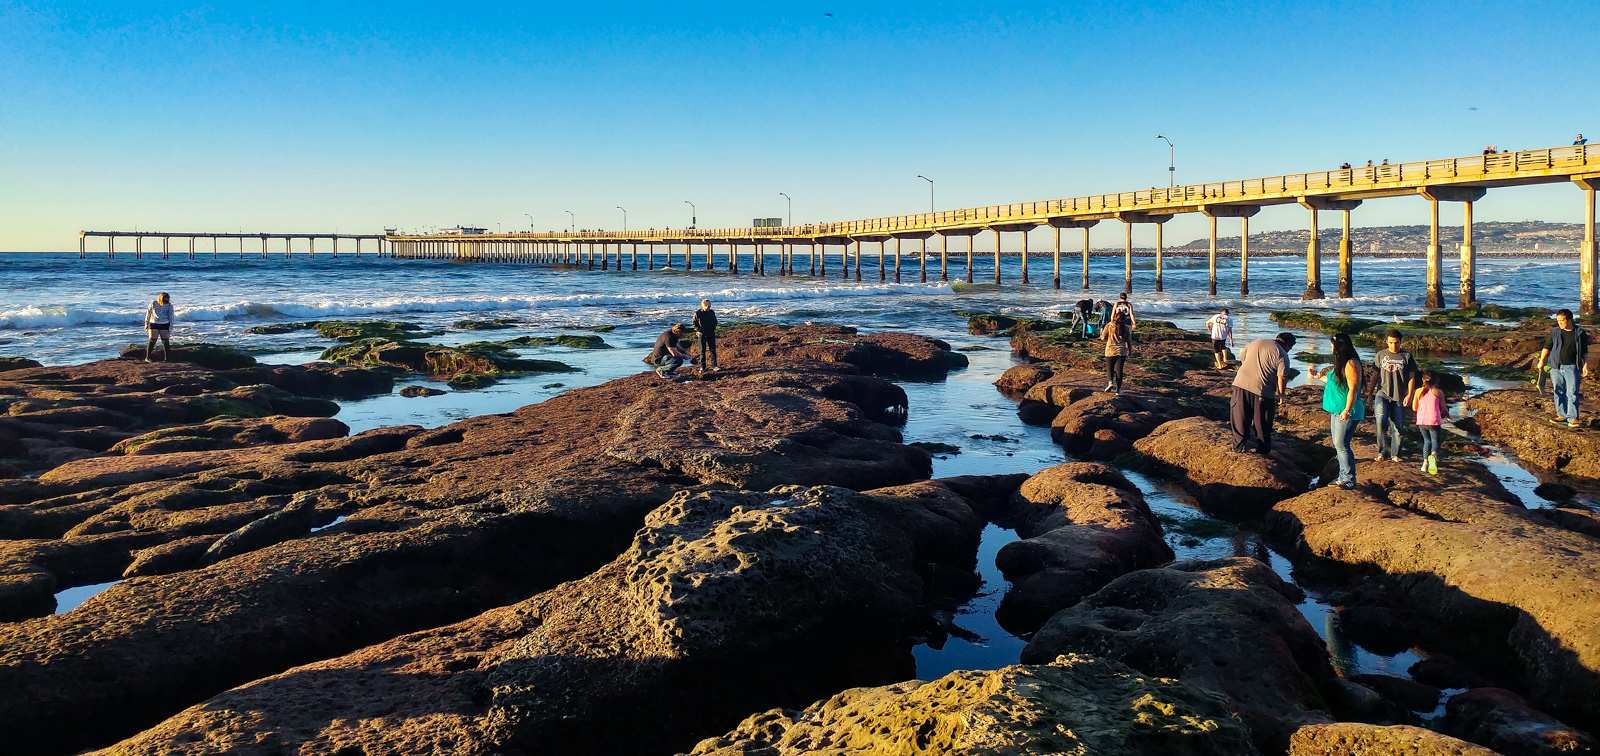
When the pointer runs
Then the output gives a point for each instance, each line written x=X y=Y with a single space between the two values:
x=1433 y=464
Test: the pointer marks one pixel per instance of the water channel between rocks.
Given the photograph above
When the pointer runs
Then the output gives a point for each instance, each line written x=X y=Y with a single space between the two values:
x=966 y=412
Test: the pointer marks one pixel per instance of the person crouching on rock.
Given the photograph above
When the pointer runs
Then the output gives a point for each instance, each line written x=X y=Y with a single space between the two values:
x=158 y=325
x=1262 y=373
x=668 y=354
x=1341 y=399
x=705 y=329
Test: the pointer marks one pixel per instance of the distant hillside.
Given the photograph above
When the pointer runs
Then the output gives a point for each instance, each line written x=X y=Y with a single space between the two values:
x=1513 y=238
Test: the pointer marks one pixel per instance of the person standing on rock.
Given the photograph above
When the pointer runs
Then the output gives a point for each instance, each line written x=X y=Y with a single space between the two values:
x=1221 y=328
x=667 y=355
x=1397 y=386
x=1430 y=408
x=158 y=325
x=1341 y=399
x=1261 y=378
x=1124 y=308
x=1563 y=357
x=1119 y=343
x=705 y=329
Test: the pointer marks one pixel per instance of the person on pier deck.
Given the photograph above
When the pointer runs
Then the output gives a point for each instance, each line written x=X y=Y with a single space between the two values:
x=158 y=325
x=705 y=329
x=1262 y=374
x=1563 y=357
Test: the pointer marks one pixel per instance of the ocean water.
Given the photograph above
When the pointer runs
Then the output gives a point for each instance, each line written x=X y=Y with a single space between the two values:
x=58 y=309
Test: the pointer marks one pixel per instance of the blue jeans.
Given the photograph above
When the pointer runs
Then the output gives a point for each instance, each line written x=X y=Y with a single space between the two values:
x=667 y=365
x=1388 y=415
x=1340 y=431
x=1564 y=385
x=1430 y=439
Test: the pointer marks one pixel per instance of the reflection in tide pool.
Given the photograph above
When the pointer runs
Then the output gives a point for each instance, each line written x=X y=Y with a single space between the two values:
x=71 y=598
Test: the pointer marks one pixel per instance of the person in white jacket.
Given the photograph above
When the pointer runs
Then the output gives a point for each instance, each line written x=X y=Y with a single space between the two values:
x=158 y=325
x=1220 y=326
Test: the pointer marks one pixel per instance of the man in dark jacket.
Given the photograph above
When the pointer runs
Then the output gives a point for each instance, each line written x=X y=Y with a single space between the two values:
x=705 y=328
x=1563 y=357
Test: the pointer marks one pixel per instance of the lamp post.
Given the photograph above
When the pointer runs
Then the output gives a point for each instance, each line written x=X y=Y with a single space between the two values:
x=573 y=221
x=1171 y=167
x=693 y=213
x=624 y=217
x=930 y=190
x=788 y=219
x=529 y=216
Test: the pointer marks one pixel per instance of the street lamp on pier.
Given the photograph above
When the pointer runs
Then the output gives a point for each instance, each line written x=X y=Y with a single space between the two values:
x=1171 y=166
x=930 y=190
x=694 y=213
x=573 y=224
x=788 y=219
x=624 y=217
x=529 y=216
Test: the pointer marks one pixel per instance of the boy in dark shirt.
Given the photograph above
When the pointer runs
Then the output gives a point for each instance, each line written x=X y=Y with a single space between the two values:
x=705 y=328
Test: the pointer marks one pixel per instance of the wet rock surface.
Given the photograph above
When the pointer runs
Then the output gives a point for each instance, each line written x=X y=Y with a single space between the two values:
x=53 y=415
x=1073 y=704
x=1461 y=552
x=1501 y=720
x=1081 y=524
x=801 y=590
x=892 y=355
x=438 y=525
x=1229 y=625
x=1519 y=419
x=1354 y=739
x=1199 y=452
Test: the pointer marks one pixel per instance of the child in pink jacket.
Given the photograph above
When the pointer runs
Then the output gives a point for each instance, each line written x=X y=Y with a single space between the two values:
x=1430 y=410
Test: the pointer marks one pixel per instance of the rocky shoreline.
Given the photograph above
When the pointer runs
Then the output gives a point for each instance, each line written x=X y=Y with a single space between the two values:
x=743 y=564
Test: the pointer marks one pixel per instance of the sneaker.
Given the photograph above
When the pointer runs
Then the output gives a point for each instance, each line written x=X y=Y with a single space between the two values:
x=1348 y=486
x=1424 y=466
x=1109 y=386
x=1573 y=424
x=1433 y=464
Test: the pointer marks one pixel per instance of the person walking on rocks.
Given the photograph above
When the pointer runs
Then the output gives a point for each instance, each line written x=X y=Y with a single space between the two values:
x=1397 y=386
x=1563 y=357
x=1221 y=328
x=667 y=355
x=1430 y=408
x=1119 y=344
x=158 y=325
x=1261 y=378
x=1341 y=399
x=705 y=329
x=1123 y=307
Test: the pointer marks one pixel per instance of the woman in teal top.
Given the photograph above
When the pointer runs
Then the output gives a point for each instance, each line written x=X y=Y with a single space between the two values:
x=1341 y=399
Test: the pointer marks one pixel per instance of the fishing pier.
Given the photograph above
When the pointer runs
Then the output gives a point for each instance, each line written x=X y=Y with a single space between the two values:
x=1455 y=180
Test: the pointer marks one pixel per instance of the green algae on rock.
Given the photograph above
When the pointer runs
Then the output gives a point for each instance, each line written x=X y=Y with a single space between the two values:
x=214 y=356
x=575 y=341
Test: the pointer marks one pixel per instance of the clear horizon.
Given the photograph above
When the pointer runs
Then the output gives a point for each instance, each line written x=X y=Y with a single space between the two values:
x=347 y=118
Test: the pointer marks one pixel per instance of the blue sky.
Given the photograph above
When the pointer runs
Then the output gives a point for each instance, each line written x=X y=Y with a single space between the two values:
x=352 y=117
